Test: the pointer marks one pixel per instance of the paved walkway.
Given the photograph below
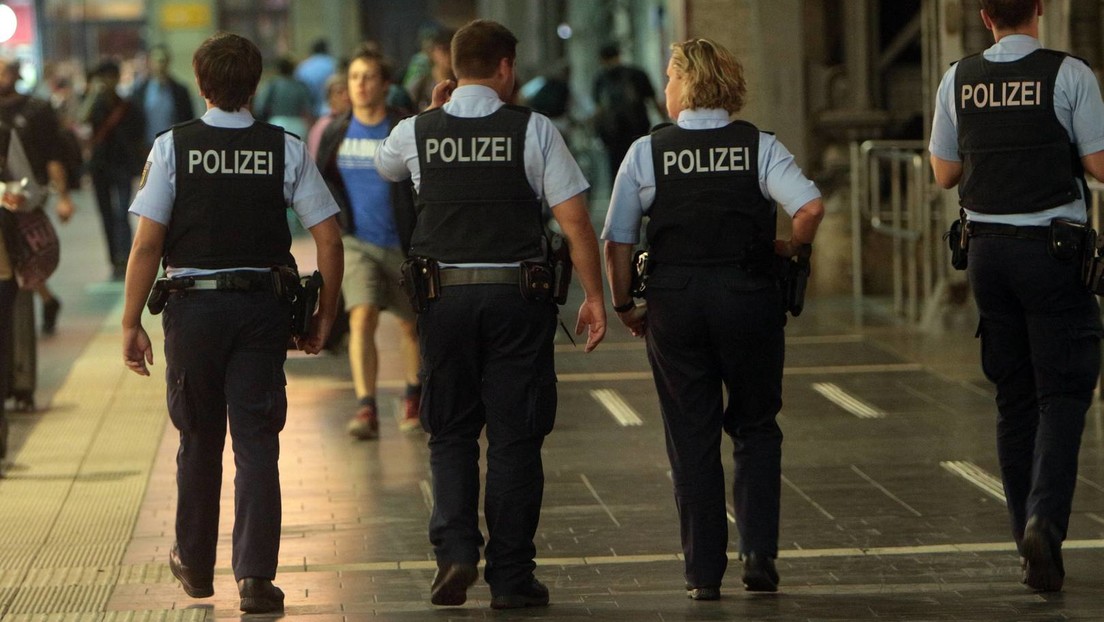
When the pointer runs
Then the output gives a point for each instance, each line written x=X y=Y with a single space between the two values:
x=891 y=510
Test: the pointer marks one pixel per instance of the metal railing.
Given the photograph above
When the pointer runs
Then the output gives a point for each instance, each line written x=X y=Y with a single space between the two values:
x=891 y=196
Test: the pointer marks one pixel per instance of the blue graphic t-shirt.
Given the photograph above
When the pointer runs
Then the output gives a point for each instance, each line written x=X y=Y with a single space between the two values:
x=369 y=194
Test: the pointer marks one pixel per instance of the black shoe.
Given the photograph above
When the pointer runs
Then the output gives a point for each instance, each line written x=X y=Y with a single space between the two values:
x=260 y=596
x=194 y=584
x=532 y=594
x=451 y=583
x=703 y=593
x=50 y=310
x=760 y=575
x=1042 y=547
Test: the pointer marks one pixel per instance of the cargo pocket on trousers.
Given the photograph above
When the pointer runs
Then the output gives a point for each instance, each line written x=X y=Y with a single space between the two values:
x=542 y=400
x=181 y=412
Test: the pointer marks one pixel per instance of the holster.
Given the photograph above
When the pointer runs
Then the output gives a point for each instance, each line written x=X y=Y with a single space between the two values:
x=559 y=259
x=641 y=269
x=420 y=278
x=536 y=281
x=1068 y=240
x=794 y=279
x=158 y=296
x=304 y=301
x=958 y=239
x=1092 y=263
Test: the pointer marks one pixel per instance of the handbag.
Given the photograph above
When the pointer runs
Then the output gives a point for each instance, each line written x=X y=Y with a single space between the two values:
x=32 y=243
x=33 y=246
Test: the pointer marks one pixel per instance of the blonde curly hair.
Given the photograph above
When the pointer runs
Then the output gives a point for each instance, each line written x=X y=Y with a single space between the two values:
x=712 y=76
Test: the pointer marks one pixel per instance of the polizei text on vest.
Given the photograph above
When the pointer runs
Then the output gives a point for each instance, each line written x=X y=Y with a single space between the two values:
x=709 y=160
x=1008 y=94
x=470 y=149
x=221 y=162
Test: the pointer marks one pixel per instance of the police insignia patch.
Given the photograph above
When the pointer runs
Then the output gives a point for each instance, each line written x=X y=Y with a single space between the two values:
x=145 y=174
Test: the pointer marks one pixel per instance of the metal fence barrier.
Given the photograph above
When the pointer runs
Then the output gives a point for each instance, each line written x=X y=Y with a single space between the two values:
x=891 y=196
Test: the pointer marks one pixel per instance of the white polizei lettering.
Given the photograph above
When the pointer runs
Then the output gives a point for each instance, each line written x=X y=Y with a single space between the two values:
x=967 y=93
x=210 y=162
x=448 y=150
x=711 y=160
x=230 y=162
x=194 y=157
x=669 y=158
x=471 y=149
x=1008 y=94
x=432 y=146
x=262 y=162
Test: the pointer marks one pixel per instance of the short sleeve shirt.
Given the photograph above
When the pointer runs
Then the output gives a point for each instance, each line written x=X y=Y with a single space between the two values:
x=304 y=190
x=1077 y=104
x=780 y=178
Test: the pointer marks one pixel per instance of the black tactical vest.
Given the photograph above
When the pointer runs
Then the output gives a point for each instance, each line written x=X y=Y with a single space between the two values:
x=230 y=210
x=475 y=203
x=708 y=209
x=1016 y=156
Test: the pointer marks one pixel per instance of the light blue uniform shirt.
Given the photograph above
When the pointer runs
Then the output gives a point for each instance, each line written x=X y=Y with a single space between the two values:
x=780 y=178
x=304 y=189
x=1077 y=104
x=551 y=170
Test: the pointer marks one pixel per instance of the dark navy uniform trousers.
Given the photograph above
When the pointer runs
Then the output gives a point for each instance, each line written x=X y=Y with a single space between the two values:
x=1040 y=345
x=708 y=334
x=225 y=353
x=487 y=360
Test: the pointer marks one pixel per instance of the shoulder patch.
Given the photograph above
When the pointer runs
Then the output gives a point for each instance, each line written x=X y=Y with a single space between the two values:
x=145 y=174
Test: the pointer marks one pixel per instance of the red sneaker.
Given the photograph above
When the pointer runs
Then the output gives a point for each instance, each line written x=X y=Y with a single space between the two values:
x=365 y=425
x=411 y=420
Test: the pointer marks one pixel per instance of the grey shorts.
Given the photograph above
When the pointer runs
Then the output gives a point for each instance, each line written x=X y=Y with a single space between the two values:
x=372 y=278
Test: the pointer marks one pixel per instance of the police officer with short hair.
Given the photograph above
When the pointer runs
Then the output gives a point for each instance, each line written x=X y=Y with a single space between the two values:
x=714 y=316
x=212 y=203
x=481 y=168
x=1014 y=129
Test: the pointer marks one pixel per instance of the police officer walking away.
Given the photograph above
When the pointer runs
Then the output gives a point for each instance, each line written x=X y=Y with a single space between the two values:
x=481 y=168
x=212 y=205
x=714 y=316
x=1015 y=128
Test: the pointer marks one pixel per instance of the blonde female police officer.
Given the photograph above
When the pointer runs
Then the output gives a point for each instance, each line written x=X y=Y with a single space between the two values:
x=714 y=316
x=213 y=204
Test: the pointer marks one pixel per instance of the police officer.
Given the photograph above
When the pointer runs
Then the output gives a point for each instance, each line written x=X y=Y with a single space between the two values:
x=212 y=204
x=481 y=169
x=1013 y=129
x=714 y=316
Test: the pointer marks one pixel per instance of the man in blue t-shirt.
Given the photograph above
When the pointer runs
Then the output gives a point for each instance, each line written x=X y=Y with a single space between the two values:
x=373 y=213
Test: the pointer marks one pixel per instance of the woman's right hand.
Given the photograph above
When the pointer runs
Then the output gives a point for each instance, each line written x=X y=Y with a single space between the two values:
x=635 y=319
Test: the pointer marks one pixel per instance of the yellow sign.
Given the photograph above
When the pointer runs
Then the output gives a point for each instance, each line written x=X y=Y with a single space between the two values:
x=185 y=15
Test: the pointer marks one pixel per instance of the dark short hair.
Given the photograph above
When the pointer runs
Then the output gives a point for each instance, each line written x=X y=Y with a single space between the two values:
x=106 y=67
x=443 y=38
x=1008 y=13
x=609 y=51
x=228 y=68
x=479 y=47
x=320 y=46
x=370 y=52
x=285 y=66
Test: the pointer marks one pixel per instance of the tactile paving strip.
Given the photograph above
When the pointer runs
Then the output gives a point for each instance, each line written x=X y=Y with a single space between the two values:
x=74 y=493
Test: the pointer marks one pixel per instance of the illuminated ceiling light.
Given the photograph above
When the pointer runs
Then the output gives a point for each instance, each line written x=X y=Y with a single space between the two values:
x=7 y=23
x=564 y=31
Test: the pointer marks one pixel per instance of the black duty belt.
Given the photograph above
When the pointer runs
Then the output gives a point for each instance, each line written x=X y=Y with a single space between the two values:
x=993 y=229
x=479 y=276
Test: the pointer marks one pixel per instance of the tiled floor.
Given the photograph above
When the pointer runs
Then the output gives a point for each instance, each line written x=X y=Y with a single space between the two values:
x=890 y=511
